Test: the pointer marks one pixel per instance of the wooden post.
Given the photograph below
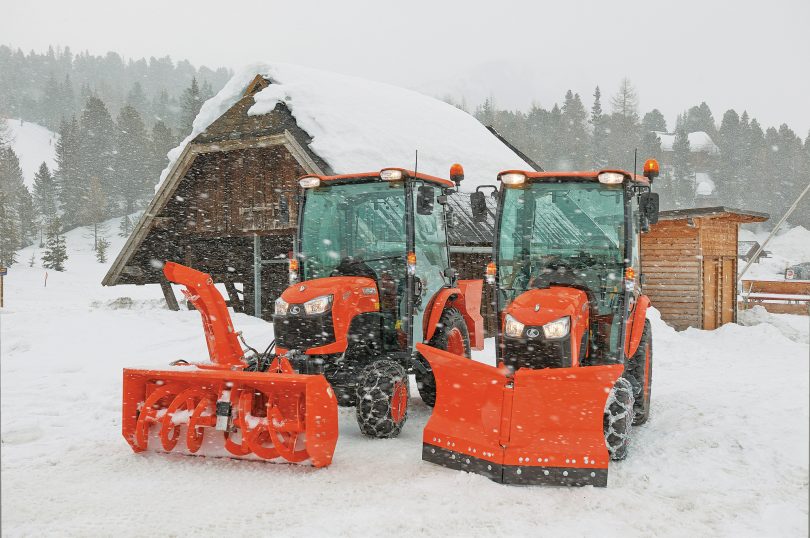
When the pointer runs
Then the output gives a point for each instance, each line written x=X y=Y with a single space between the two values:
x=3 y=272
x=168 y=294
x=257 y=276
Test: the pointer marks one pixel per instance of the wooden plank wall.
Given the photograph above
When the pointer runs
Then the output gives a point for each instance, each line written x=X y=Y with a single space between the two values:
x=240 y=191
x=718 y=244
x=670 y=255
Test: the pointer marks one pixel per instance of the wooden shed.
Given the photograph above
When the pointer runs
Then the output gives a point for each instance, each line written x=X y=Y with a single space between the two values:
x=689 y=263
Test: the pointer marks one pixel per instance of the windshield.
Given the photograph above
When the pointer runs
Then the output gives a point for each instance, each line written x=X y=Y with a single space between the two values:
x=352 y=229
x=569 y=233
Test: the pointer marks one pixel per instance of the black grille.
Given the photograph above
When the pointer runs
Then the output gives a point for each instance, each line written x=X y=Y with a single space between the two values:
x=303 y=332
x=536 y=352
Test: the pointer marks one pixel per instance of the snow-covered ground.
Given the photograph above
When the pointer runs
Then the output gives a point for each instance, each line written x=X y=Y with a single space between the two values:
x=789 y=247
x=725 y=452
x=33 y=144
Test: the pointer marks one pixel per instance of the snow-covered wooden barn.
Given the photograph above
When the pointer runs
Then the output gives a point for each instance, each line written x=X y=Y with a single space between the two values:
x=226 y=203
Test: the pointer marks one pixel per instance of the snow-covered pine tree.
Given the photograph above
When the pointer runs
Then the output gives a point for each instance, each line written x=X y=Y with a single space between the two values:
x=9 y=234
x=190 y=104
x=125 y=226
x=101 y=249
x=136 y=98
x=654 y=121
x=730 y=139
x=575 y=142
x=683 y=177
x=598 y=152
x=45 y=199
x=97 y=148
x=55 y=249
x=161 y=143
x=95 y=210
x=32 y=260
x=132 y=159
x=70 y=189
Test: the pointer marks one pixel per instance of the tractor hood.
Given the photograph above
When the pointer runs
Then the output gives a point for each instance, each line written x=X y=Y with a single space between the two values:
x=340 y=287
x=325 y=331
x=540 y=306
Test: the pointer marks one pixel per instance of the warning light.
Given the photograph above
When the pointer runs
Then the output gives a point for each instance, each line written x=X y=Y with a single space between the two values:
x=651 y=169
x=411 y=262
x=491 y=271
x=456 y=174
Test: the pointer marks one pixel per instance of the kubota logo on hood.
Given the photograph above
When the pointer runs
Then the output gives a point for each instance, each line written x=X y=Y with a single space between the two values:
x=302 y=287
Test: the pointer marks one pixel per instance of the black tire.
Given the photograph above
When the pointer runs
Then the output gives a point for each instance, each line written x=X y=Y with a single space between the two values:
x=346 y=395
x=618 y=419
x=376 y=390
x=425 y=382
x=642 y=378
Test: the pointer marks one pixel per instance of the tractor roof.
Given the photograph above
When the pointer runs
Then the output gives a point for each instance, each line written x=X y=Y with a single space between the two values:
x=363 y=176
x=592 y=175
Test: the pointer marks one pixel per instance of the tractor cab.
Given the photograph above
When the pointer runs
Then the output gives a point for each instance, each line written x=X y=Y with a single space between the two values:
x=566 y=260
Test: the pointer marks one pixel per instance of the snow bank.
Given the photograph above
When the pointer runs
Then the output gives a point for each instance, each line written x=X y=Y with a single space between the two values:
x=794 y=327
x=358 y=125
x=33 y=144
x=725 y=452
x=789 y=247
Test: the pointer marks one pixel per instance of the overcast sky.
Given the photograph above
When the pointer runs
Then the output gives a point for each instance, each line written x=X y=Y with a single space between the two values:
x=752 y=55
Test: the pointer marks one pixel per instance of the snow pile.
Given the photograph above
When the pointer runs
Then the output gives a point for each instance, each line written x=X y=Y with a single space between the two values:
x=789 y=247
x=33 y=144
x=705 y=185
x=358 y=125
x=797 y=328
x=725 y=452
x=698 y=141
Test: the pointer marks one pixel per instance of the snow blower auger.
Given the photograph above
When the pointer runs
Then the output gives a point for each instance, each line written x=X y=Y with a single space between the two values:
x=222 y=408
x=574 y=346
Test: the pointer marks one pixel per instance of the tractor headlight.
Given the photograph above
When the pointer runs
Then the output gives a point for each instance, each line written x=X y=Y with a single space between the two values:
x=281 y=307
x=558 y=328
x=513 y=327
x=318 y=305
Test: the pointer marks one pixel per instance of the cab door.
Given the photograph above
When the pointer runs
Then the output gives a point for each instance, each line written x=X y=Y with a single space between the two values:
x=430 y=247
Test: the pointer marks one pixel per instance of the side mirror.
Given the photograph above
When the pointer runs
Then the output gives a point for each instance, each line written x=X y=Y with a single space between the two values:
x=648 y=206
x=478 y=203
x=424 y=200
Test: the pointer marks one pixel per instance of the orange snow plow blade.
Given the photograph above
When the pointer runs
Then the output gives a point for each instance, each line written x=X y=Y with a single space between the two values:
x=536 y=427
x=218 y=408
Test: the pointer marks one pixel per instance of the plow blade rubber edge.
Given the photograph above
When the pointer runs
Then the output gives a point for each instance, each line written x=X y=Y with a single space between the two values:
x=539 y=427
x=265 y=416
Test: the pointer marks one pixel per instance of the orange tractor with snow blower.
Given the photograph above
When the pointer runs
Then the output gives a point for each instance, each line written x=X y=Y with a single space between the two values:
x=574 y=349
x=370 y=277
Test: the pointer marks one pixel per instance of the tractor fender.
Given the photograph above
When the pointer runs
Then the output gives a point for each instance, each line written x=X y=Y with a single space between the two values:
x=635 y=325
x=466 y=298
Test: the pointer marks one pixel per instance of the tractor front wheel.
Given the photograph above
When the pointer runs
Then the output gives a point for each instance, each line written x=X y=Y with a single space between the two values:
x=641 y=369
x=452 y=336
x=618 y=419
x=382 y=399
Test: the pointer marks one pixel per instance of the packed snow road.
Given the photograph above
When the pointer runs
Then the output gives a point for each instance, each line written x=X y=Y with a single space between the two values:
x=725 y=452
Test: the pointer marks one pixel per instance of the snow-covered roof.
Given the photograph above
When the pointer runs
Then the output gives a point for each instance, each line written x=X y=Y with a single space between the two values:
x=698 y=141
x=360 y=125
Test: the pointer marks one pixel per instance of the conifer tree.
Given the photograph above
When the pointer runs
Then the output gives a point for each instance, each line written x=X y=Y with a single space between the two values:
x=97 y=147
x=125 y=226
x=45 y=199
x=574 y=137
x=132 y=159
x=55 y=249
x=161 y=143
x=9 y=233
x=101 y=250
x=598 y=152
x=95 y=210
x=190 y=104
x=70 y=188
x=654 y=121
x=683 y=178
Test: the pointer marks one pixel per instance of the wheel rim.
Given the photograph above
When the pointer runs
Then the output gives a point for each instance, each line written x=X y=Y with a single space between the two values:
x=399 y=401
x=455 y=342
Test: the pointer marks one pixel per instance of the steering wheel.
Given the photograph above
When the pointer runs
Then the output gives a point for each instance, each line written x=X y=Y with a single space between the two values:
x=557 y=271
x=354 y=266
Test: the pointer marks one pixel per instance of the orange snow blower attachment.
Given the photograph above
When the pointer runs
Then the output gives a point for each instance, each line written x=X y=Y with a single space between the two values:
x=219 y=408
x=533 y=427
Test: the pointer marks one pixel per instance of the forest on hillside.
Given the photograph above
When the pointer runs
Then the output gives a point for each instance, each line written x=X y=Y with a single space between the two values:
x=117 y=119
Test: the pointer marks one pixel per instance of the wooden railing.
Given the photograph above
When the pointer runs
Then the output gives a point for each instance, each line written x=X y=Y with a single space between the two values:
x=777 y=296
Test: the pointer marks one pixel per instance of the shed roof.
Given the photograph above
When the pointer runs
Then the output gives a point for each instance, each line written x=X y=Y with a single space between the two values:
x=717 y=212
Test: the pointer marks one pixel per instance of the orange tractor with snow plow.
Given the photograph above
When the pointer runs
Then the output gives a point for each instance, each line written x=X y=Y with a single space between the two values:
x=370 y=277
x=574 y=349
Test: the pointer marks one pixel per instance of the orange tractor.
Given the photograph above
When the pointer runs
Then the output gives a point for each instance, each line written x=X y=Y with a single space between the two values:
x=370 y=277
x=574 y=347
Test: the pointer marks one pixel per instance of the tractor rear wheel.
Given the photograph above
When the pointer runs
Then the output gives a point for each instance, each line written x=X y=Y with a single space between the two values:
x=618 y=419
x=641 y=369
x=451 y=335
x=382 y=399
